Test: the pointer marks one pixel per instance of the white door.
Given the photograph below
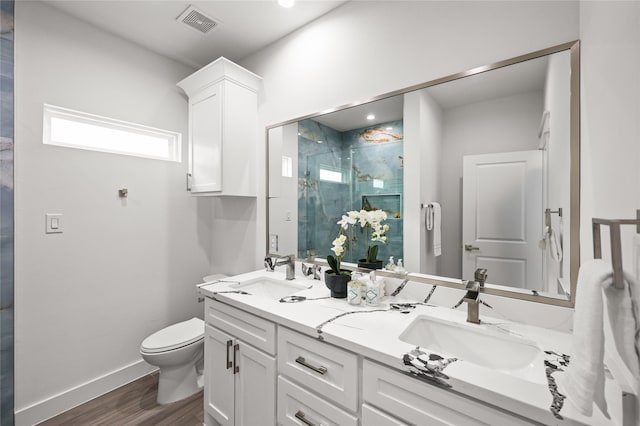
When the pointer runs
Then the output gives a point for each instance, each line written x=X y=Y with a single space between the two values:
x=205 y=140
x=502 y=218
x=255 y=387
x=218 y=367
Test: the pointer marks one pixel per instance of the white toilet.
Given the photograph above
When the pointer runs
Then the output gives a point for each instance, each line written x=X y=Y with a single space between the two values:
x=178 y=351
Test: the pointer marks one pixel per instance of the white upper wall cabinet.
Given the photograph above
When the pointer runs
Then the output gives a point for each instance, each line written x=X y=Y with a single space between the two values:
x=223 y=109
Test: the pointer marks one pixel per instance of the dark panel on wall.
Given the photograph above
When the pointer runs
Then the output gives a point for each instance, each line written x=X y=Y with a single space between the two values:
x=6 y=213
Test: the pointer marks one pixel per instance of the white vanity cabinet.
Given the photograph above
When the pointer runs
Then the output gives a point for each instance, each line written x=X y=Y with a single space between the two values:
x=262 y=372
x=240 y=367
x=223 y=134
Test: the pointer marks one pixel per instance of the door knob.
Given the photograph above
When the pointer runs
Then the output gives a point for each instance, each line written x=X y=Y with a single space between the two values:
x=469 y=247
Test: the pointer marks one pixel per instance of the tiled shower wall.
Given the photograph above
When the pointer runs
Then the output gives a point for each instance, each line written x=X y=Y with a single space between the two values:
x=6 y=212
x=370 y=162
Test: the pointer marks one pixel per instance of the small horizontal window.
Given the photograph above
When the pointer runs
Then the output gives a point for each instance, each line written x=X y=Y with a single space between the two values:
x=330 y=175
x=75 y=129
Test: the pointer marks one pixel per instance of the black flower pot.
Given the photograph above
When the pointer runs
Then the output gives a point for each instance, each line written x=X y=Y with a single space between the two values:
x=362 y=263
x=337 y=283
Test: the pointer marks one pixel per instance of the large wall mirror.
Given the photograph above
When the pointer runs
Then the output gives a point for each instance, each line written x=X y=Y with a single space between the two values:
x=479 y=169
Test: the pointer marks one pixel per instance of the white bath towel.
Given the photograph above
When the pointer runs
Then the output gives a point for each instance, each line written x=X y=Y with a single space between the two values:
x=433 y=223
x=636 y=256
x=583 y=383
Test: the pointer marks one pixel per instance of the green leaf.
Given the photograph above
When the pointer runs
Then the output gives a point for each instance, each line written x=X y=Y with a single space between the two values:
x=334 y=263
x=372 y=253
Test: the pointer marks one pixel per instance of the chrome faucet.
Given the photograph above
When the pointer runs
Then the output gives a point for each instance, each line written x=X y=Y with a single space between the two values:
x=313 y=269
x=289 y=260
x=472 y=298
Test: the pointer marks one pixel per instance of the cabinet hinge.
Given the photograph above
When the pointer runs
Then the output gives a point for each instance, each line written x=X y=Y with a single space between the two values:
x=188 y=181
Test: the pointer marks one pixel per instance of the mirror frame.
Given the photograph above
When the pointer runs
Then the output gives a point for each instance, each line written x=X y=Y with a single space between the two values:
x=574 y=214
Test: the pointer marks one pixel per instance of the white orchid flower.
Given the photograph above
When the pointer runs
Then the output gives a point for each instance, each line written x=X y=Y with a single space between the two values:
x=346 y=221
x=340 y=240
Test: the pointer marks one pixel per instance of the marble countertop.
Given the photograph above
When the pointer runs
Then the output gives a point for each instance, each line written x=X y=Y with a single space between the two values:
x=375 y=334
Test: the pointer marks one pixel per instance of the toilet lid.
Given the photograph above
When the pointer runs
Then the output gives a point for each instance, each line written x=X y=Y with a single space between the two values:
x=175 y=336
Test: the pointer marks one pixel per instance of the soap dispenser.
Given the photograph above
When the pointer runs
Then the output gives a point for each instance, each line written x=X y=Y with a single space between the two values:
x=372 y=294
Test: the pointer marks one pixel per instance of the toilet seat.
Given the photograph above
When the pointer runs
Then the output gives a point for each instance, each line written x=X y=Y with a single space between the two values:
x=175 y=336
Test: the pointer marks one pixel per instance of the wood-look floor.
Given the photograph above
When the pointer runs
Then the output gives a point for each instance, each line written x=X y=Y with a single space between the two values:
x=134 y=404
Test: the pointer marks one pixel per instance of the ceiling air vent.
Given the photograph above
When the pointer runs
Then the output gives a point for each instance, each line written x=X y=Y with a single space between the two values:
x=197 y=20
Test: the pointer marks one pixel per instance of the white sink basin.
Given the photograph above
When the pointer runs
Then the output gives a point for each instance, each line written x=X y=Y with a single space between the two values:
x=494 y=349
x=270 y=288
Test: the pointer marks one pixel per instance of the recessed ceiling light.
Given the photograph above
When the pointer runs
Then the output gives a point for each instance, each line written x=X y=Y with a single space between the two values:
x=286 y=3
x=319 y=141
x=371 y=117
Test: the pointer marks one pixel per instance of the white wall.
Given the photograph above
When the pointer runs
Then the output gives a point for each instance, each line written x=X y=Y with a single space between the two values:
x=610 y=129
x=557 y=156
x=85 y=299
x=283 y=191
x=505 y=124
x=422 y=150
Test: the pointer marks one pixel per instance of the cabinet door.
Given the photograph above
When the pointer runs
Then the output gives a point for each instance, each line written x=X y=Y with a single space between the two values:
x=219 y=383
x=255 y=387
x=205 y=140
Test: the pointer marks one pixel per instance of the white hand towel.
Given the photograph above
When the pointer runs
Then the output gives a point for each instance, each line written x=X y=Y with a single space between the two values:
x=433 y=222
x=583 y=383
x=553 y=243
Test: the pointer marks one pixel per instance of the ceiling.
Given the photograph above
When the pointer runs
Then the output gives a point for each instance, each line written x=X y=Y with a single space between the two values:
x=244 y=27
x=523 y=77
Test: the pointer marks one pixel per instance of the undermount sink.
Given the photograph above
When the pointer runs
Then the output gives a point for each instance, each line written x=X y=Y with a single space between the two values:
x=270 y=288
x=494 y=349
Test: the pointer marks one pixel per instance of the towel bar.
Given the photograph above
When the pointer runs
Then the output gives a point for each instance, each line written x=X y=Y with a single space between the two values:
x=548 y=213
x=616 y=249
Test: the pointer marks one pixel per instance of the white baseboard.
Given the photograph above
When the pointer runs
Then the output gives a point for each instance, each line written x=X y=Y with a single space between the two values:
x=73 y=397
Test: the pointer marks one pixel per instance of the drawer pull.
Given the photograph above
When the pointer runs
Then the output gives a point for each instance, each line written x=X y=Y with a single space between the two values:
x=229 y=363
x=321 y=370
x=236 y=348
x=300 y=416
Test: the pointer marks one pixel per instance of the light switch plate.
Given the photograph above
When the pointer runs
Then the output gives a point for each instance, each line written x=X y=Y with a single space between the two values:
x=53 y=223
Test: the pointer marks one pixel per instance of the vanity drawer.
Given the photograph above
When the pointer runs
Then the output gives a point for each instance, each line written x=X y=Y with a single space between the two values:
x=372 y=416
x=327 y=370
x=421 y=403
x=249 y=328
x=297 y=406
